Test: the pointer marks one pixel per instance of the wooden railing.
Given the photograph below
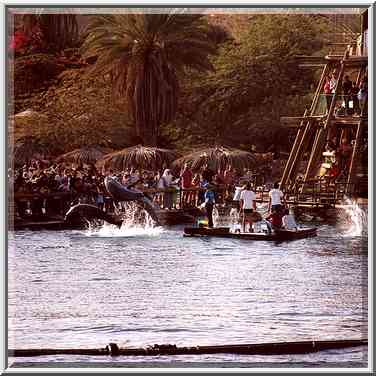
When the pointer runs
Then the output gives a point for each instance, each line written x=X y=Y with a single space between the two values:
x=315 y=192
x=57 y=203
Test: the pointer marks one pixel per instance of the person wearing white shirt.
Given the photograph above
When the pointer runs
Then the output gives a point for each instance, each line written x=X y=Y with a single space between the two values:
x=275 y=198
x=236 y=197
x=166 y=180
x=247 y=205
x=288 y=221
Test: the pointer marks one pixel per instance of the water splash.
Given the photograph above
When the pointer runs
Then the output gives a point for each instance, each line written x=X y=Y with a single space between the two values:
x=136 y=222
x=354 y=218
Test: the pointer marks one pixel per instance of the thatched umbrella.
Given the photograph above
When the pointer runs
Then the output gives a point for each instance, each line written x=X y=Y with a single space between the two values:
x=148 y=158
x=218 y=157
x=88 y=154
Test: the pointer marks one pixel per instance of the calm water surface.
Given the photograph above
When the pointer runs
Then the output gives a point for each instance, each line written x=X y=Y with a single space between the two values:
x=140 y=287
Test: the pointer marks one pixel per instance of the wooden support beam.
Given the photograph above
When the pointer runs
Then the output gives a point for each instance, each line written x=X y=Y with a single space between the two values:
x=323 y=132
x=349 y=60
x=317 y=150
x=355 y=157
x=303 y=66
x=299 y=119
x=359 y=76
x=347 y=121
x=294 y=149
x=301 y=141
x=310 y=59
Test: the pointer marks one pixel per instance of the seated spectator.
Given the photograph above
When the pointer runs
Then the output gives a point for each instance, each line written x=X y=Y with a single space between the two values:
x=274 y=220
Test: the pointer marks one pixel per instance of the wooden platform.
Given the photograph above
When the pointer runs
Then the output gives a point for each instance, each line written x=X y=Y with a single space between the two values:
x=41 y=225
x=177 y=216
x=166 y=217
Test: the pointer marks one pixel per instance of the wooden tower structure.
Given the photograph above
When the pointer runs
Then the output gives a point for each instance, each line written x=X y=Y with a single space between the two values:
x=321 y=122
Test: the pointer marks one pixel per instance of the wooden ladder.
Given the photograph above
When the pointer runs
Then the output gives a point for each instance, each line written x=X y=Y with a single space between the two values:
x=303 y=135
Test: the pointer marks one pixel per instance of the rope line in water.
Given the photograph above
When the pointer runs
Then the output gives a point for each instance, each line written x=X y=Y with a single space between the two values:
x=277 y=348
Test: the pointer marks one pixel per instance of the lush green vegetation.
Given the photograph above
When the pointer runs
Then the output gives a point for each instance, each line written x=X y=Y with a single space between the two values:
x=253 y=81
x=144 y=55
x=256 y=80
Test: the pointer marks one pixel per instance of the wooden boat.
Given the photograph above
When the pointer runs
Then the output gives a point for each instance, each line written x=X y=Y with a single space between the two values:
x=224 y=232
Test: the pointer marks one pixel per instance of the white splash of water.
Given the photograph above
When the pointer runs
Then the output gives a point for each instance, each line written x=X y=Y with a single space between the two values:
x=136 y=222
x=356 y=218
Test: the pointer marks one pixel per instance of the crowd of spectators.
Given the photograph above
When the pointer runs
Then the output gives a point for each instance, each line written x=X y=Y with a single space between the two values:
x=54 y=187
x=352 y=98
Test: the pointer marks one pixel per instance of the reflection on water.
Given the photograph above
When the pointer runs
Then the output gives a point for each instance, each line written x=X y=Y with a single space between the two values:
x=139 y=286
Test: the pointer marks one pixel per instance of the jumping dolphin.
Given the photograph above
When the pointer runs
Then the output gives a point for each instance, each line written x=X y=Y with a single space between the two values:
x=122 y=193
x=77 y=212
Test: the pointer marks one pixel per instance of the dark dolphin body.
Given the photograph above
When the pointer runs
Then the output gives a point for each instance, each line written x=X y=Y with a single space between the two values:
x=78 y=212
x=121 y=193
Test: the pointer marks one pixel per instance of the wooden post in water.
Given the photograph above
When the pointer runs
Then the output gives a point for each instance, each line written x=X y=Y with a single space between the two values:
x=354 y=157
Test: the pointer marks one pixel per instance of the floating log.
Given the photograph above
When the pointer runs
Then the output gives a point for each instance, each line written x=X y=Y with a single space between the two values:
x=277 y=348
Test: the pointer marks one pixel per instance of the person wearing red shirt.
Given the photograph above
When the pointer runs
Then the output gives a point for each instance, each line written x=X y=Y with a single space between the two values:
x=275 y=219
x=186 y=177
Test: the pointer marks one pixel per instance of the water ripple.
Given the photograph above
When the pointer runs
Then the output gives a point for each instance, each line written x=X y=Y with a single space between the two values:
x=163 y=288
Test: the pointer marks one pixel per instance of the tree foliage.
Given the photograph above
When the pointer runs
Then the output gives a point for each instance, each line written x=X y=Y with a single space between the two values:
x=238 y=103
x=59 y=31
x=145 y=54
x=75 y=112
x=256 y=80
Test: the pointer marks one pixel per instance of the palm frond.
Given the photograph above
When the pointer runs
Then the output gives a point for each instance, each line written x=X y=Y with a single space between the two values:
x=143 y=54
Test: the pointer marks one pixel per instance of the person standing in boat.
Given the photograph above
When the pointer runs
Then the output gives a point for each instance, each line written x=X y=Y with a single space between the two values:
x=247 y=205
x=209 y=198
x=275 y=198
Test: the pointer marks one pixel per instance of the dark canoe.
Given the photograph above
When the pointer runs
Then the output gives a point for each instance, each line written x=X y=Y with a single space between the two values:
x=224 y=232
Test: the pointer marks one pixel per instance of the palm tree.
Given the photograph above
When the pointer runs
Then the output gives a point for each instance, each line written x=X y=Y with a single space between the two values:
x=145 y=55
